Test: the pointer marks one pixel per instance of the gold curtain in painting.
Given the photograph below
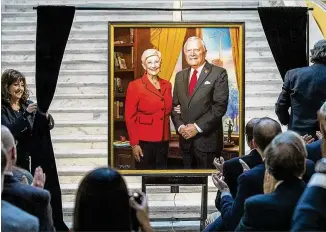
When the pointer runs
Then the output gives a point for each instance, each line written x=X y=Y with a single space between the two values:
x=169 y=42
x=235 y=39
x=199 y=33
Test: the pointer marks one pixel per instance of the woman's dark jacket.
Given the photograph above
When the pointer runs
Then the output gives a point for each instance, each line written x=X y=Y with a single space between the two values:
x=20 y=123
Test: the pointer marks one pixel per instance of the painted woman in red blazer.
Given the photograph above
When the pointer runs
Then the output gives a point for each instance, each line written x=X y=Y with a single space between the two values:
x=147 y=114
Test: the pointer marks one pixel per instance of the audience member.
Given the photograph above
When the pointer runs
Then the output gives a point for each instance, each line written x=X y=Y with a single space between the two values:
x=33 y=200
x=249 y=183
x=17 y=113
x=14 y=219
x=285 y=163
x=232 y=168
x=103 y=204
x=314 y=149
x=304 y=91
x=310 y=213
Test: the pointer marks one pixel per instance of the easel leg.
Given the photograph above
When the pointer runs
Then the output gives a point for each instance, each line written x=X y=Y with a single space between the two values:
x=203 y=205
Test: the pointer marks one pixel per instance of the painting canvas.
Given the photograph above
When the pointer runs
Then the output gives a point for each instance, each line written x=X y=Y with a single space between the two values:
x=224 y=43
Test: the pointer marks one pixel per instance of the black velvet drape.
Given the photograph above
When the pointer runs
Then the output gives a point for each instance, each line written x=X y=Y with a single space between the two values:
x=53 y=28
x=286 y=32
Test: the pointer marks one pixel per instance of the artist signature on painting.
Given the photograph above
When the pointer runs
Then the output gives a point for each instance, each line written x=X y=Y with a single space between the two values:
x=125 y=166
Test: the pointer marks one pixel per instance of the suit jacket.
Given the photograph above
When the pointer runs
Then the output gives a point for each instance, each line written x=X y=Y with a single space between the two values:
x=21 y=127
x=147 y=111
x=273 y=211
x=250 y=183
x=310 y=213
x=14 y=219
x=304 y=91
x=232 y=169
x=314 y=150
x=19 y=173
x=35 y=201
x=205 y=107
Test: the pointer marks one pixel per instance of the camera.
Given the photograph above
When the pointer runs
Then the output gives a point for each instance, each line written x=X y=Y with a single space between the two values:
x=134 y=221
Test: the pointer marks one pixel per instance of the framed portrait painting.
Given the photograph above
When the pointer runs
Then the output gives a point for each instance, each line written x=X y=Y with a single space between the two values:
x=176 y=96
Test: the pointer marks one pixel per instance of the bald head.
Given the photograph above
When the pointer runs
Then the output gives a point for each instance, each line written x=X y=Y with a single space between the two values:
x=7 y=138
x=265 y=130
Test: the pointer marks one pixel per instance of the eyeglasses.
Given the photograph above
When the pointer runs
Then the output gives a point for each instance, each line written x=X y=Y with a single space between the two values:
x=16 y=142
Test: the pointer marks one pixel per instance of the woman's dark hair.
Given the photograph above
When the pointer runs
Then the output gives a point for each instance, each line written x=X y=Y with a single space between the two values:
x=318 y=53
x=102 y=202
x=285 y=156
x=9 y=77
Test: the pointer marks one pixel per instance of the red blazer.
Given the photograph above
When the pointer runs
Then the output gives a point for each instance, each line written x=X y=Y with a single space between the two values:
x=147 y=111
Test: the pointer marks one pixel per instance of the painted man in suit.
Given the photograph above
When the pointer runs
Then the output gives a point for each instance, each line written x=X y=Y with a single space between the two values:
x=202 y=92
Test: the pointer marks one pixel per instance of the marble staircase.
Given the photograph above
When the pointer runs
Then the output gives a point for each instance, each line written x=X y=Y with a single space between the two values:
x=80 y=104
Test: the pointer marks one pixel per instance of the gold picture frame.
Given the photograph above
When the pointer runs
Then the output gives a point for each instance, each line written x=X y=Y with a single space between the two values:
x=131 y=34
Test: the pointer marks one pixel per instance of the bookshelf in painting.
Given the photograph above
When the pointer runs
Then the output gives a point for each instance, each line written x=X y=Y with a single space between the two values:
x=124 y=72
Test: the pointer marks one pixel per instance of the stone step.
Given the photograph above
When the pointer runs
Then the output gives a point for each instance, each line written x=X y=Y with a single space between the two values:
x=100 y=34
x=71 y=142
x=77 y=88
x=86 y=64
x=82 y=154
x=268 y=94
x=152 y=196
x=86 y=25
x=27 y=6
x=32 y=16
x=159 y=209
x=79 y=128
x=73 y=162
x=239 y=3
x=102 y=54
x=82 y=100
x=264 y=85
x=80 y=115
x=252 y=74
x=257 y=73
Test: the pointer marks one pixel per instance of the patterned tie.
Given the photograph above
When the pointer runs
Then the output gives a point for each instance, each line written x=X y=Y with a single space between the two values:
x=193 y=82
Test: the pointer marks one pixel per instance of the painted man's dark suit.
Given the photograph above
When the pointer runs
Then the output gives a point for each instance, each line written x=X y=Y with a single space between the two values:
x=205 y=107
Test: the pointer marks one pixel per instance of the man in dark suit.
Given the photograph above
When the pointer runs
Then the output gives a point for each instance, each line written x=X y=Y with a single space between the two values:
x=14 y=219
x=33 y=200
x=310 y=213
x=202 y=93
x=232 y=168
x=285 y=165
x=304 y=90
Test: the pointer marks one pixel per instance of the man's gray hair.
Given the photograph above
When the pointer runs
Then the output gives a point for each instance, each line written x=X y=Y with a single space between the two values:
x=285 y=156
x=318 y=53
x=193 y=38
x=7 y=139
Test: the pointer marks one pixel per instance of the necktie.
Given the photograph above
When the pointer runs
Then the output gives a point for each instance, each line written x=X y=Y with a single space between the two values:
x=193 y=82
